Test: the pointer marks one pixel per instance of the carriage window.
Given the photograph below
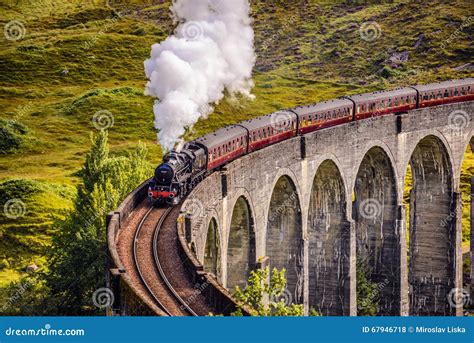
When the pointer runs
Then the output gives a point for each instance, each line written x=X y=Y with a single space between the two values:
x=455 y=92
x=463 y=91
x=446 y=93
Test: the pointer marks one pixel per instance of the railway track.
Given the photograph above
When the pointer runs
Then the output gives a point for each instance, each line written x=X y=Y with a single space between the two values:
x=149 y=264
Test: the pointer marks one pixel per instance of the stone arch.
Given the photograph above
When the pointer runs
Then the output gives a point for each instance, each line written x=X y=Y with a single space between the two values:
x=288 y=173
x=328 y=233
x=241 y=255
x=432 y=229
x=284 y=241
x=375 y=213
x=316 y=163
x=390 y=159
x=212 y=251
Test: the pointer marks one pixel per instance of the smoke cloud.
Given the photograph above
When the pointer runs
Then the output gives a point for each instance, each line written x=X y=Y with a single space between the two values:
x=210 y=52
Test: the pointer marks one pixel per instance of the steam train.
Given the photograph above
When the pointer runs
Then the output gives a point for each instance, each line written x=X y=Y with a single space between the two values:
x=181 y=171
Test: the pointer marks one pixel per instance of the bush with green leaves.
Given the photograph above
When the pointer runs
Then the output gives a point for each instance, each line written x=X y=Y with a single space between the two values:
x=261 y=294
x=367 y=291
x=12 y=136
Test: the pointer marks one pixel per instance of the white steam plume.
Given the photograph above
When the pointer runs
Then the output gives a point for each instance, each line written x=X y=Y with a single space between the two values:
x=210 y=52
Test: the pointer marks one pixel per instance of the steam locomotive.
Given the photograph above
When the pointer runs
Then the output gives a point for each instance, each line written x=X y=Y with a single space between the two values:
x=181 y=171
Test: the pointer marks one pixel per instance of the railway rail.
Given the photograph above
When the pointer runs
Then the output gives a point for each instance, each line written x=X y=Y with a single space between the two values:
x=149 y=264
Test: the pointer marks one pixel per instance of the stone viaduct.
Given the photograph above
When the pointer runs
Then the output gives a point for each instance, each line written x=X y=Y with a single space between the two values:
x=326 y=204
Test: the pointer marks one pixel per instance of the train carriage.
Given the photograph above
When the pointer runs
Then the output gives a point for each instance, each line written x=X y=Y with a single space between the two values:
x=270 y=129
x=384 y=102
x=224 y=145
x=323 y=114
x=445 y=92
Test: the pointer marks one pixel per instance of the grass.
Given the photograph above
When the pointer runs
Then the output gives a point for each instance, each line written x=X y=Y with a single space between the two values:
x=26 y=226
x=80 y=57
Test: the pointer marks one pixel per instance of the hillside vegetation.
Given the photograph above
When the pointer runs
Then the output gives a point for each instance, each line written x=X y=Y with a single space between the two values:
x=77 y=59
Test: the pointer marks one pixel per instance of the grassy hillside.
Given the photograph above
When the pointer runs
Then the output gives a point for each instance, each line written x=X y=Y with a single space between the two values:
x=78 y=58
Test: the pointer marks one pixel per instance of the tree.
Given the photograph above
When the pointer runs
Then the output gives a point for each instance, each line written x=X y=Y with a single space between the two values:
x=367 y=291
x=266 y=297
x=78 y=255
